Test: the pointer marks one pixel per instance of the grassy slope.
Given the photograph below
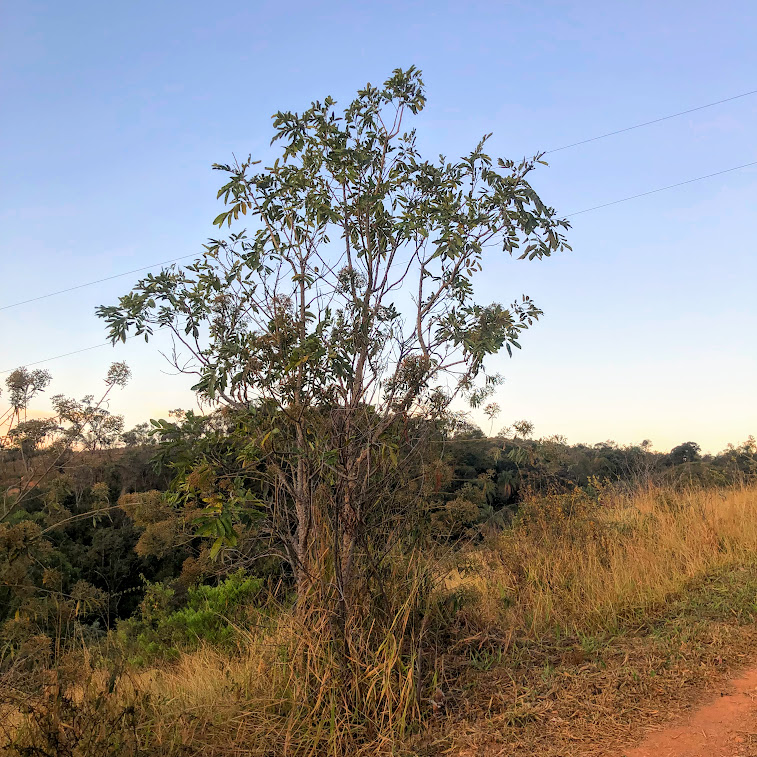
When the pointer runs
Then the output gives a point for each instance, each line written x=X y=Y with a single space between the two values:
x=587 y=694
x=589 y=619
x=616 y=619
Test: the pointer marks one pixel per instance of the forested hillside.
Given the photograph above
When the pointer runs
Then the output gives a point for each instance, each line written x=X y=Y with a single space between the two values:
x=94 y=524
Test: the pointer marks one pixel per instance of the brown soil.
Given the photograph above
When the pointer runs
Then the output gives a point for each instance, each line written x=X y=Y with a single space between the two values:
x=725 y=727
x=703 y=705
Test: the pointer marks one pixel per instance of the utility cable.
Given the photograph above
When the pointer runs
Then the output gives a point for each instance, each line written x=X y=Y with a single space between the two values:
x=67 y=354
x=662 y=189
x=649 y=123
x=556 y=149
x=569 y=215
x=97 y=281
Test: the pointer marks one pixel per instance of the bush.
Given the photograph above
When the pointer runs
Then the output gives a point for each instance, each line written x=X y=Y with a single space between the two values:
x=210 y=614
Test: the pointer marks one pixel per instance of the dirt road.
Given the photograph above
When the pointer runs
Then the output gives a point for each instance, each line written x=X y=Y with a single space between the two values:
x=726 y=726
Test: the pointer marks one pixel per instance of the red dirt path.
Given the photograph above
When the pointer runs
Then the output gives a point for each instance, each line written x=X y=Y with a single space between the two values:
x=725 y=727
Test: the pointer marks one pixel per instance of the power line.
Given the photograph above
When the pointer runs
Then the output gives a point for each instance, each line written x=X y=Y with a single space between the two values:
x=649 y=123
x=663 y=189
x=557 y=149
x=576 y=213
x=66 y=354
x=97 y=281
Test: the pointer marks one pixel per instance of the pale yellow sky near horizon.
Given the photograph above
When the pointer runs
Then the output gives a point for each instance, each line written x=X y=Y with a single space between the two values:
x=602 y=422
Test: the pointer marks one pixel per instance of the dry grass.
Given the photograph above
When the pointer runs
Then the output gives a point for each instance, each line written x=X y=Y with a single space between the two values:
x=578 y=564
x=592 y=695
x=287 y=690
x=589 y=618
x=603 y=615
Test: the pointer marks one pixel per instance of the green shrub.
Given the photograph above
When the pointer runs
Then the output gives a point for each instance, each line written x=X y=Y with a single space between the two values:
x=208 y=614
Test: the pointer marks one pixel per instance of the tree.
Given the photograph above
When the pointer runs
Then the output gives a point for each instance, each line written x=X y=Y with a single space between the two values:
x=138 y=436
x=27 y=436
x=57 y=567
x=77 y=424
x=687 y=452
x=87 y=423
x=23 y=385
x=523 y=429
x=342 y=320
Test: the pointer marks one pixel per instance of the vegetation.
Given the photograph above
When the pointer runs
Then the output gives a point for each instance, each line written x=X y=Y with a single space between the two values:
x=340 y=325
x=625 y=600
x=331 y=558
x=207 y=614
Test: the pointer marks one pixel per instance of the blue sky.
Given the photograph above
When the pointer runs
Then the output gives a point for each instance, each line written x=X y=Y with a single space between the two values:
x=114 y=112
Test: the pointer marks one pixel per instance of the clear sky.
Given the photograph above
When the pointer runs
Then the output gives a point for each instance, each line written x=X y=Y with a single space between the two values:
x=112 y=114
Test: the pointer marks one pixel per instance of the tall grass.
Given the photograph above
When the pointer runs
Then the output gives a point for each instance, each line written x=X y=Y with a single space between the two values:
x=289 y=689
x=579 y=563
x=572 y=564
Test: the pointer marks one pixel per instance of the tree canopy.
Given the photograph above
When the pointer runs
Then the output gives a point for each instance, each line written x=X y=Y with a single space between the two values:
x=339 y=317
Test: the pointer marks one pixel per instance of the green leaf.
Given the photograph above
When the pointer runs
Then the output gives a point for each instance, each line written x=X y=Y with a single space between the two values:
x=216 y=548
